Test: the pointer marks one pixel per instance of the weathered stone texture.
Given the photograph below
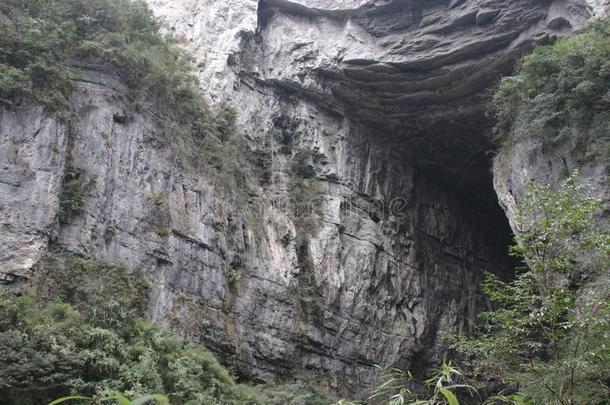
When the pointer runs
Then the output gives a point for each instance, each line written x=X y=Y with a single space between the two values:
x=388 y=94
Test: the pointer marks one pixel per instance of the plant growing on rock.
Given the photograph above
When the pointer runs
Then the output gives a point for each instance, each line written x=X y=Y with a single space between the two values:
x=306 y=198
x=71 y=199
x=81 y=332
x=158 y=198
x=43 y=41
x=547 y=335
x=163 y=232
x=234 y=274
x=305 y=193
x=560 y=92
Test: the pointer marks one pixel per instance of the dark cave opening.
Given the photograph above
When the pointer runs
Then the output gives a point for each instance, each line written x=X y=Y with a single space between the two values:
x=457 y=157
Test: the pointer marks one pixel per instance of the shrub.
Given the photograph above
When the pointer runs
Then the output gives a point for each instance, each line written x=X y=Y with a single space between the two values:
x=225 y=151
x=565 y=85
x=41 y=42
x=547 y=334
x=81 y=330
x=71 y=201
x=13 y=83
x=397 y=387
x=163 y=232
x=234 y=274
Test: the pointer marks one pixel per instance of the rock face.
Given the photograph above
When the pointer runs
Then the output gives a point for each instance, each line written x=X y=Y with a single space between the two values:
x=388 y=98
x=536 y=159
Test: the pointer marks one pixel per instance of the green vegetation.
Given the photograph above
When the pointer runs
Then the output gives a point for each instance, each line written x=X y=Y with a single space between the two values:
x=110 y=232
x=546 y=339
x=397 y=387
x=560 y=92
x=159 y=215
x=225 y=152
x=158 y=198
x=43 y=40
x=306 y=198
x=81 y=331
x=119 y=398
x=263 y=164
x=163 y=232
x=305 y=193
x=234 y=274
x=71 y=202
x=547 y=336
x=226 y=156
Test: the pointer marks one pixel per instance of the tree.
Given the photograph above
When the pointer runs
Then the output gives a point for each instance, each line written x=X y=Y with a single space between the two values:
x=548 y=333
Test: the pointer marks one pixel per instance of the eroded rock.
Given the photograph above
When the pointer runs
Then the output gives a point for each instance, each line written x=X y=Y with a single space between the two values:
x=387 y=96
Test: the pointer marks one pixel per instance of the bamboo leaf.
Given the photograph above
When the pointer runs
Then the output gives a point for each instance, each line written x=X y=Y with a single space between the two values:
x=450 y=397
x=72 y=398
x=121 y=398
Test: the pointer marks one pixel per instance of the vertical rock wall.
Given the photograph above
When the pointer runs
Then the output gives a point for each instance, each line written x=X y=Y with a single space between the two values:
x=387 y=99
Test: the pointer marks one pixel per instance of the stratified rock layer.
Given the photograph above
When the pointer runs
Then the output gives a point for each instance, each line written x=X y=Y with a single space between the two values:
x=388 y=95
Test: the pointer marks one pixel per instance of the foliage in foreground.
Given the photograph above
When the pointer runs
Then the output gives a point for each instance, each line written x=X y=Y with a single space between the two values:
x=397 y=387
x=120 y=399
x=82 y=332
x=560 y=92
x=548 y=336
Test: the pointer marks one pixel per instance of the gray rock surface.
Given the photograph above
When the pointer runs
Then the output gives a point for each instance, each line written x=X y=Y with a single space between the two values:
x=533 y=159
x=32 y=150
x=389 y=96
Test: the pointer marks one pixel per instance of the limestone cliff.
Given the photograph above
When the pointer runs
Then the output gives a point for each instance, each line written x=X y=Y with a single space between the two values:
x=388 y=99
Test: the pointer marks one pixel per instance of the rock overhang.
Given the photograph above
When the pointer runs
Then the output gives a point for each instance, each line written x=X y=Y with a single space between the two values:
x=418 y=72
